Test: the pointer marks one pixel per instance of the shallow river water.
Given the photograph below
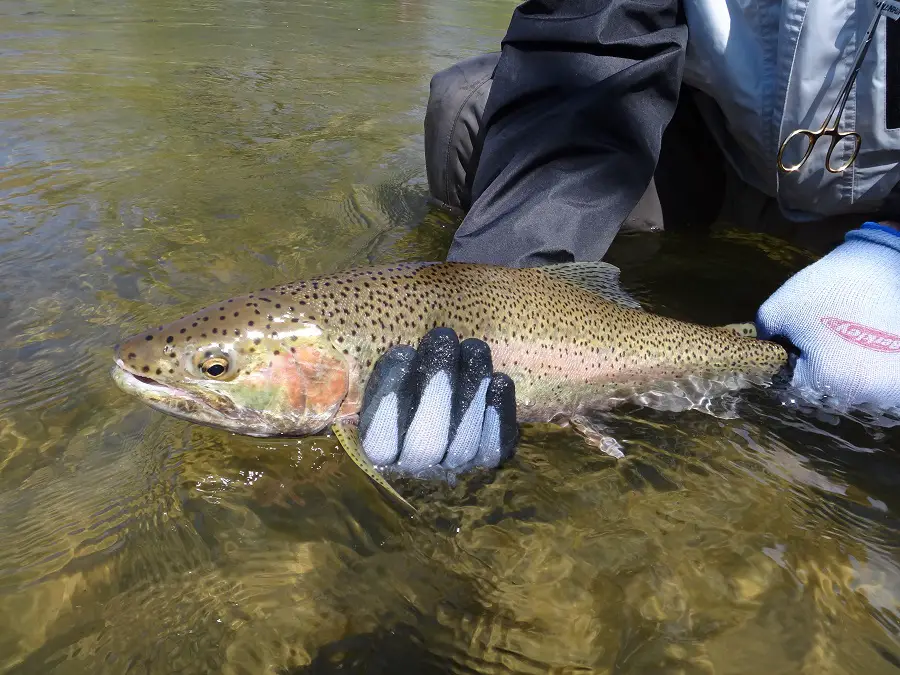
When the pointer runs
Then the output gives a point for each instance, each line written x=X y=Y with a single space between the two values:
x=156 y=157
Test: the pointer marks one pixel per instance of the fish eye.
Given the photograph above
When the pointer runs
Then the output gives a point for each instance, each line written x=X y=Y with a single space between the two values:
x=215 y=367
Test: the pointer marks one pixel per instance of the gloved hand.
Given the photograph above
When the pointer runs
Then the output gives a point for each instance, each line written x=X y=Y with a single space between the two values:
x=843 y=315
x=438 y=405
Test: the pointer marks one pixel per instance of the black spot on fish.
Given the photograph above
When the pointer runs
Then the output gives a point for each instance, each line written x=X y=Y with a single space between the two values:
x=170 y=339
x=145 y=369
x=148 y=338
x=132 y=355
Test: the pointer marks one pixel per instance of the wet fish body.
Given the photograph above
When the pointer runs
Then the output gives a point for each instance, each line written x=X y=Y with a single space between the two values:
x=292 y=359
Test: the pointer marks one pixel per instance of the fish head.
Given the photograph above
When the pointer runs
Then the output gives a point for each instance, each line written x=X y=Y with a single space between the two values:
x=256 y=373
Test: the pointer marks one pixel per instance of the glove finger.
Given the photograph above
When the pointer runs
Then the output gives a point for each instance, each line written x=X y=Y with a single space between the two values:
x=386 y=405
x=499 y=433
x=467 y=417
x=769 y=318
x=435 y=371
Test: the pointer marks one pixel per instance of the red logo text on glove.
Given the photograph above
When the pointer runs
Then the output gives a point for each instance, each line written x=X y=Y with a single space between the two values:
x=870 y=338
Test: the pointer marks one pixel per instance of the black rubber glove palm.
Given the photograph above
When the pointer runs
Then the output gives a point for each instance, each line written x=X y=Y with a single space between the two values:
x=438 y=405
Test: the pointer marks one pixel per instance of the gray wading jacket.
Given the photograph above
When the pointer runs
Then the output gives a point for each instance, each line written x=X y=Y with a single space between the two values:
x=587 y=96
x=773 y=66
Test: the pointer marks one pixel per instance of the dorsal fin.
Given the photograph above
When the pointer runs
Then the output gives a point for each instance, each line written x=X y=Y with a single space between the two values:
x=597 y=277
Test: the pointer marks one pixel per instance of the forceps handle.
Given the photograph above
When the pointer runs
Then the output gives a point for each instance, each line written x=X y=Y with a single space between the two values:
x=837 y=137
x=812 y=138
x=830 y=126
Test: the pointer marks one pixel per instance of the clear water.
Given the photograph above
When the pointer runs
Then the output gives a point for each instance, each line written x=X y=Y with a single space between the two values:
x=155 y=157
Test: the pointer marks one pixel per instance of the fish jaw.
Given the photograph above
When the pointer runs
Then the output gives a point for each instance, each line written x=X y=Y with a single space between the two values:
x=192 y=406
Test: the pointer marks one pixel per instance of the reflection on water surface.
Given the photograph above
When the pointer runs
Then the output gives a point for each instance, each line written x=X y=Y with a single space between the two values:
x=157 y=157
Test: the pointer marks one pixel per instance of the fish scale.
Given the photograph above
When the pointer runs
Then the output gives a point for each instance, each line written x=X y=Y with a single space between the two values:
x=565 y=347
x=569 y=338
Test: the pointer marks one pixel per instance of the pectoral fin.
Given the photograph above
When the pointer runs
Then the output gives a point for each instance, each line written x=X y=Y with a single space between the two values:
x=348 y=436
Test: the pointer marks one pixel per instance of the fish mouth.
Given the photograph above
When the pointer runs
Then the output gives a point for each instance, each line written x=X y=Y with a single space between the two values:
x=147 y=380
x=134 y=382
x=169 y=399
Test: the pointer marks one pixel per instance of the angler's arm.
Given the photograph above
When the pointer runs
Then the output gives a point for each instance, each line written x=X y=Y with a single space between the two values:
x=573 y=124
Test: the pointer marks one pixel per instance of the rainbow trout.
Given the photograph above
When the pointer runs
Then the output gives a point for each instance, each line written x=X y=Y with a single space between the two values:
x=294 y=359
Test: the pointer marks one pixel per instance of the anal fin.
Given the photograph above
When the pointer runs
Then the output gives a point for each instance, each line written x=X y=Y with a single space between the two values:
x=592 y=433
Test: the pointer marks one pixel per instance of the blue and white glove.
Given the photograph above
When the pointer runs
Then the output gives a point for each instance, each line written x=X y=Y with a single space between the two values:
x=843 y=315
x=440 y=405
